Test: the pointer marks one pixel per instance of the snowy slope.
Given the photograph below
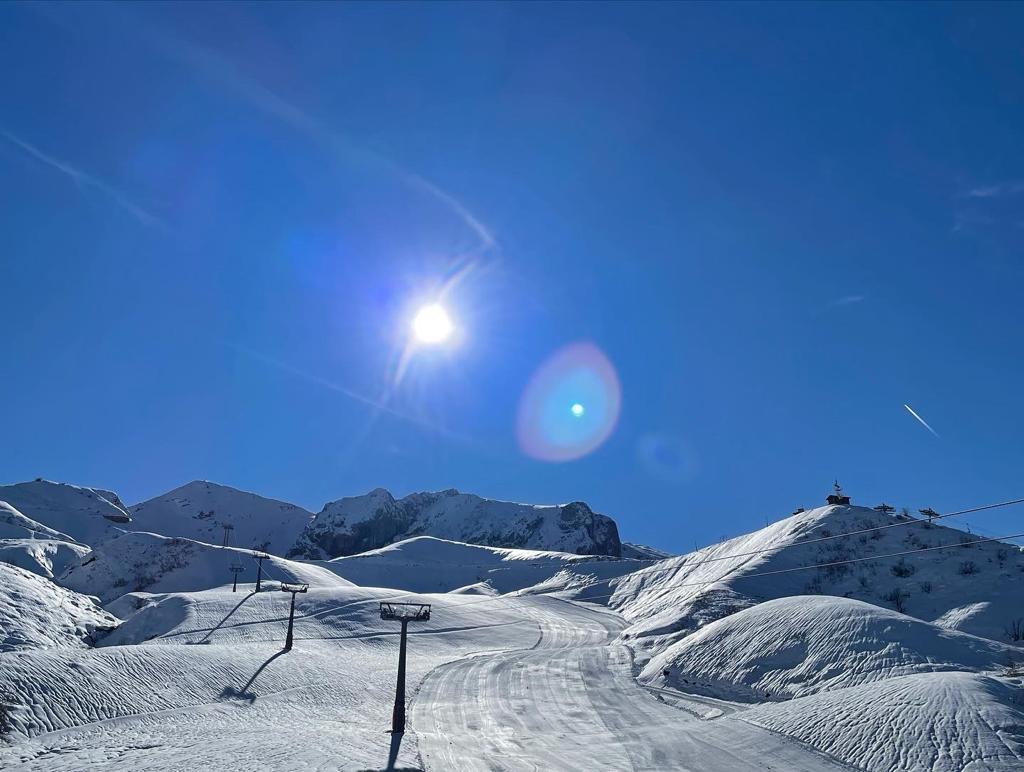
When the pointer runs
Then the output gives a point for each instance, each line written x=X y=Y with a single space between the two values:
x=527 y=683
x=940 y=722
x=427 y=564
x=359 y=523
x=200 y=510
x=46 y=557
x=797 y=646
x=86 y=515
x=36 y=613
x=677 y=596
x=14 y=525
x=135 y=562
x=643 y=552
x=229 y=702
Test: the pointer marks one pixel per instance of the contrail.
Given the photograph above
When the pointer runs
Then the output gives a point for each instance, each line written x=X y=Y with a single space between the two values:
x=377 y=405
x=219 y=69
x=82 y=179
x=923 y=422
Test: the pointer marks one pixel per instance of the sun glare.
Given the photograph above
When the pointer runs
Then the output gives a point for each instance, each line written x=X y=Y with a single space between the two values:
x=432 y=324
x=578 y=410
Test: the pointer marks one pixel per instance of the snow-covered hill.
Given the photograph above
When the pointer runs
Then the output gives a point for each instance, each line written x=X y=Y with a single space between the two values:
x=941 y=722
x=427 y=564
x=974 y=589
x=35 y=613
x=199 y=510
x=802 y=645
x=46 y=557
x=360 y=523
x=146 y=562
x=86 y=515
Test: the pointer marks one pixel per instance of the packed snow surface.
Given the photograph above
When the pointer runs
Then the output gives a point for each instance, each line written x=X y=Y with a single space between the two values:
x=939 y=722
x=200 y=510
x=529 y=683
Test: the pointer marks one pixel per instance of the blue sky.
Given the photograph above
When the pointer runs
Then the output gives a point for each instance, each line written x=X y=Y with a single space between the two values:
x=780 y=223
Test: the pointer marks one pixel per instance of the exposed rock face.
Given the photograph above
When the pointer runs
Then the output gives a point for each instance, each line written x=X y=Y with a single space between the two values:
x=359 y=523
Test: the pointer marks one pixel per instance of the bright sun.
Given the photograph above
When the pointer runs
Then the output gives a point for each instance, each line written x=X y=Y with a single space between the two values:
x=432 y=324
x=577 y=410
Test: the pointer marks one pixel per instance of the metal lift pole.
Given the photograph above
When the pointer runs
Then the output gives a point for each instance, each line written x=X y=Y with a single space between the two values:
x=260 y=557
x=293 y=589
x=235 y=568
x=404 y=613
x=398 y=714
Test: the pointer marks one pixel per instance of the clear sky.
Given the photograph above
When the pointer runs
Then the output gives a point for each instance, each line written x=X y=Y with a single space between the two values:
x=779 y=223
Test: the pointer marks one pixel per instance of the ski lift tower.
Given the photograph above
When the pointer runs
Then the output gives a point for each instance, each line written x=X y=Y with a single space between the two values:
x=404 y=613
x=259 y=557
x=235 y=568
x=293 y=589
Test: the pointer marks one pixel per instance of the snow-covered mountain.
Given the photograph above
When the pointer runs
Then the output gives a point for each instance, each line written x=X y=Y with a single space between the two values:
x=360 y=523
x=86 y=515
x=199 y=510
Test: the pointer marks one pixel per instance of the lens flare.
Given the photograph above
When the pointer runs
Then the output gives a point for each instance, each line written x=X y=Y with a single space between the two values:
x=570 y=406
x=667 y=458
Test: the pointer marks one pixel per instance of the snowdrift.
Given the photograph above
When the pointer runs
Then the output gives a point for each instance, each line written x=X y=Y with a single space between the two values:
x=200 y=510
x=802 y=645
x=138 y=562
x=36 y=613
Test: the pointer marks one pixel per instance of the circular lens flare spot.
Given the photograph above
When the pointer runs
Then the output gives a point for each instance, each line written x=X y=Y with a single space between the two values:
x=432 y=324
x=582 y=377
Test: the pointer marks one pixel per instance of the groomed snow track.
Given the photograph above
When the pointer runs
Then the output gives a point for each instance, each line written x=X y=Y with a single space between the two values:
x=570 y=702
